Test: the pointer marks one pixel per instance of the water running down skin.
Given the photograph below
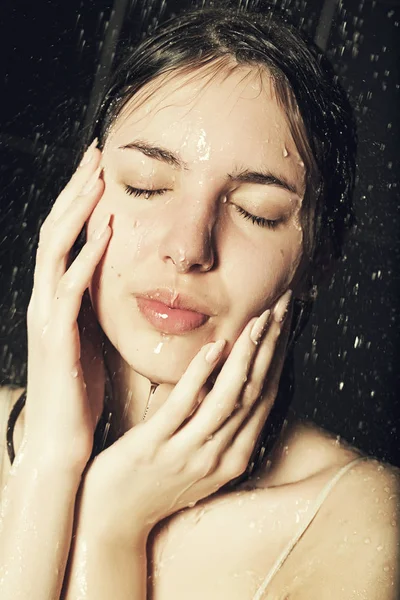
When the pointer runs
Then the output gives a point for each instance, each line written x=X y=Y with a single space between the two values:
x=239 y=272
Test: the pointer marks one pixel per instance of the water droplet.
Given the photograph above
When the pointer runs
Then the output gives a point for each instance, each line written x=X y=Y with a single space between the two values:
x=157 y=349
x=74 y=372
x=285 y=152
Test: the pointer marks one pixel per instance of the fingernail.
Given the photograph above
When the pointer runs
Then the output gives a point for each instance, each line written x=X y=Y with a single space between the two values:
x=87 y=157
x=215 y=351
x=100 y=230
x=282 y=306
x=259 y=326
x=91 y=182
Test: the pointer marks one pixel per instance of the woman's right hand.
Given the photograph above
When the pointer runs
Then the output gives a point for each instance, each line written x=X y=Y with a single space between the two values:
x=65 y=388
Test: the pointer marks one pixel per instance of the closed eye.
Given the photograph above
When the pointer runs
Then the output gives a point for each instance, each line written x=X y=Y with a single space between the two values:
x=260 y=221
x=132 y=191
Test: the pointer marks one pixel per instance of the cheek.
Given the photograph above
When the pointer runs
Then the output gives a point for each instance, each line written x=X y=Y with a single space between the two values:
x=258 y=274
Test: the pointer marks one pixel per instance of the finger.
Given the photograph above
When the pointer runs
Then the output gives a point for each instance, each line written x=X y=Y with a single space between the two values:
x=217 y=411
x=234 y=461
x=265 y=376
x=57 y=239
x=215 y=468
x=184 y=397
x=75 y=281
x=222 y=400
x=89 y=162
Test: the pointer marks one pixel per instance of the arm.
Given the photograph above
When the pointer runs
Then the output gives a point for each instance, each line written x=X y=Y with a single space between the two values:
x=118 y=505
x=102 y=568
x=64 y=399
x=35 y=528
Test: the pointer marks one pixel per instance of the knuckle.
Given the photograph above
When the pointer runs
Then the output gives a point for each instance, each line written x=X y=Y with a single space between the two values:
x=206 y=466
x=175 y=463
x=237 y=464
x=252 y=390
x=67 y=286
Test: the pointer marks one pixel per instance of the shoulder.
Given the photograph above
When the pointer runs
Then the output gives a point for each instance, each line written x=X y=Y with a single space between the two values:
x=351 y=548
x=356 y=537
x=8 y=398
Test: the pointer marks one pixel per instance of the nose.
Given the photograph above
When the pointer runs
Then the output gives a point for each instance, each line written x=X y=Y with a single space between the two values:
x=188 y=241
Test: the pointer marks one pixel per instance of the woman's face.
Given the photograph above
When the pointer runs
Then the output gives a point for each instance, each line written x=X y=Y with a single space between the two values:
x=217 y=239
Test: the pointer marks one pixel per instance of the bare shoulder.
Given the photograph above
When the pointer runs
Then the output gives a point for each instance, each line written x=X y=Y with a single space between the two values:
x=358 y=554
x=8 y=398
x=351 y=549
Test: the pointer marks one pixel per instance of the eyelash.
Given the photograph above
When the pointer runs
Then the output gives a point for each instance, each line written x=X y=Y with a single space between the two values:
x=260 y=221
x=132 y=191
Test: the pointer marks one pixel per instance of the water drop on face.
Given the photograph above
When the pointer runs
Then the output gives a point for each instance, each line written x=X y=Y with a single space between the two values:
x=74 y=372
x=285 y=152
x=157 y=349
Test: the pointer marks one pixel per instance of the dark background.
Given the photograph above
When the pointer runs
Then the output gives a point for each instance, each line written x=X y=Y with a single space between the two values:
x=56 y=56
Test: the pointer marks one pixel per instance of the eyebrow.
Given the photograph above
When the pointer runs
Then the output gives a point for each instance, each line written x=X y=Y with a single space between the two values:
x=161 y=154
x=266 y=178
x=244 y=176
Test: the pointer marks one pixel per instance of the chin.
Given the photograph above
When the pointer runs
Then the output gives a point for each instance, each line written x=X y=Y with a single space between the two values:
x=160 y=362
x=160 y=369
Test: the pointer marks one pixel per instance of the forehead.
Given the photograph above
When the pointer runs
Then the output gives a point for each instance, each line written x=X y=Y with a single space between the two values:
x=231 y=114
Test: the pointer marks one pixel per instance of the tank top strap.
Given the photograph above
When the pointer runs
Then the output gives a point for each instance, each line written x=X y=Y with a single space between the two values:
x=317 y=505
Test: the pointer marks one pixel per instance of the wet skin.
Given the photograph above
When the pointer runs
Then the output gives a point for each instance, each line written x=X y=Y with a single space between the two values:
x=197 y=234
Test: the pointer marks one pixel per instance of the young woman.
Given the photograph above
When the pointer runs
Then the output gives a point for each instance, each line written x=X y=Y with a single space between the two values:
x=150 y=458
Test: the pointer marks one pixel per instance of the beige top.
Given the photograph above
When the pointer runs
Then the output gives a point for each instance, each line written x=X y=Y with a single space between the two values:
x=6 y=398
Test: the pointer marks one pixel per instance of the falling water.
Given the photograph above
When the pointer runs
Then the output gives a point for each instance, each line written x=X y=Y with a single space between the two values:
x=347 y=373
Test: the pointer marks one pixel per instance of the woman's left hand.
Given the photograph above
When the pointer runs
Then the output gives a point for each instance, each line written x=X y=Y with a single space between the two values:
x=188 y=449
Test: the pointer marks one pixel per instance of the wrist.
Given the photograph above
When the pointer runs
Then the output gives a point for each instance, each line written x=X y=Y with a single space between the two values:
x=41 y=464
x=96 y=522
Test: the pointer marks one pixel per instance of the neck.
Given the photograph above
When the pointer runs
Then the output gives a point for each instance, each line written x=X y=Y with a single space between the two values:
x=134 y=398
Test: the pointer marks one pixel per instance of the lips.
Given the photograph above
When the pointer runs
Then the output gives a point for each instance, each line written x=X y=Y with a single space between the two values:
x=171 y=312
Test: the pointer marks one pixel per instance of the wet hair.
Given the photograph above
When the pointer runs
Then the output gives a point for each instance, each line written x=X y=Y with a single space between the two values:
x=318 y=114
